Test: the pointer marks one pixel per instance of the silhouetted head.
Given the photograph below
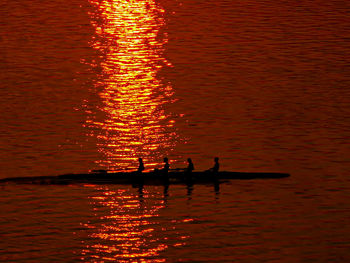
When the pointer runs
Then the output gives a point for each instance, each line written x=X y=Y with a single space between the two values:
x=165 y=160
x=216 y=159
x=140 y=160
x=189 y=160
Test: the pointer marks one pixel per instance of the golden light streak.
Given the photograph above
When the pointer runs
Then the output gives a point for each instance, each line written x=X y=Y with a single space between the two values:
x=135 y=123
x=127 y=229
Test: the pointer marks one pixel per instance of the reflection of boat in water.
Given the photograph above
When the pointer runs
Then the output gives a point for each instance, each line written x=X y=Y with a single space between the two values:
x=150 y=178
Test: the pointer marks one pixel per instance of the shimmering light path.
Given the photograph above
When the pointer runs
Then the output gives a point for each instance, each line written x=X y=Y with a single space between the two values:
x=134 y=122
x=127 y=227
x=263 y=85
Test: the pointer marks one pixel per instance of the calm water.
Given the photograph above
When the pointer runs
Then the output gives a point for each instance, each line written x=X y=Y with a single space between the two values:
x=95 y=84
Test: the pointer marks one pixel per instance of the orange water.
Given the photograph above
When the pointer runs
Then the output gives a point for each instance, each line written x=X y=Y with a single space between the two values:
x=97 y=84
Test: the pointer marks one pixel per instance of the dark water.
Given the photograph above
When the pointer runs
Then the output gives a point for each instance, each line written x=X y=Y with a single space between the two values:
x=97 y=84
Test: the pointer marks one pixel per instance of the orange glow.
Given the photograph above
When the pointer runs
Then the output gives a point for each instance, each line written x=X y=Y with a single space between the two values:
x=135 y=123
x=126 y=229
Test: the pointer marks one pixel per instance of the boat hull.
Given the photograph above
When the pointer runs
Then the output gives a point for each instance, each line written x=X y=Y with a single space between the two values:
x=151 y=178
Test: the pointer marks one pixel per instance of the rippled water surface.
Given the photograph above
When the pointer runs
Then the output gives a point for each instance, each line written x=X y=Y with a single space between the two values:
x=96 y=84
x=245 y=221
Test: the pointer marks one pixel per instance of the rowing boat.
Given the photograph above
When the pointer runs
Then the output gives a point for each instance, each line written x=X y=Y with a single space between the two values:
x=150 y=178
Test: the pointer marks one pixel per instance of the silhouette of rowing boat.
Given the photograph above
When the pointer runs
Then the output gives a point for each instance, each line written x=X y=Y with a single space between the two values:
x=148 y=178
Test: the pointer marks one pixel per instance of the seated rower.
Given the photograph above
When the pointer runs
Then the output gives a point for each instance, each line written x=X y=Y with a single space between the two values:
x=216 y=167
x=190 y=166
x=165 y=170
x=188 y=173
x=141 y=166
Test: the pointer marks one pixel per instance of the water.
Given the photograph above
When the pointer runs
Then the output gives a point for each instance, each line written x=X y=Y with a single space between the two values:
x=97 y=84
x=246 y=222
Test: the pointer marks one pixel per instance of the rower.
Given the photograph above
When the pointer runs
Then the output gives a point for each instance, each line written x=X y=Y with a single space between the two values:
x=141 y=166
x=165 y=170
x=137 y=178
x=188 y=170
x=216 y=167
x=190 y=166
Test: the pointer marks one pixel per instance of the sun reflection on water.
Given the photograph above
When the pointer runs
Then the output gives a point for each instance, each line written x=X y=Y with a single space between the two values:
x=135 y=124
x=127 y=228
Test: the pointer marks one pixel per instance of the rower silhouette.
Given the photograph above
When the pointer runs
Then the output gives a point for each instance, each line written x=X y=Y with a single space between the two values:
x=138 y=180
x=188 y=178
x=190 y=166
x=216 y=167
x=188 y=173
x=141 y=166
x=165 y=171
x=214 y=171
